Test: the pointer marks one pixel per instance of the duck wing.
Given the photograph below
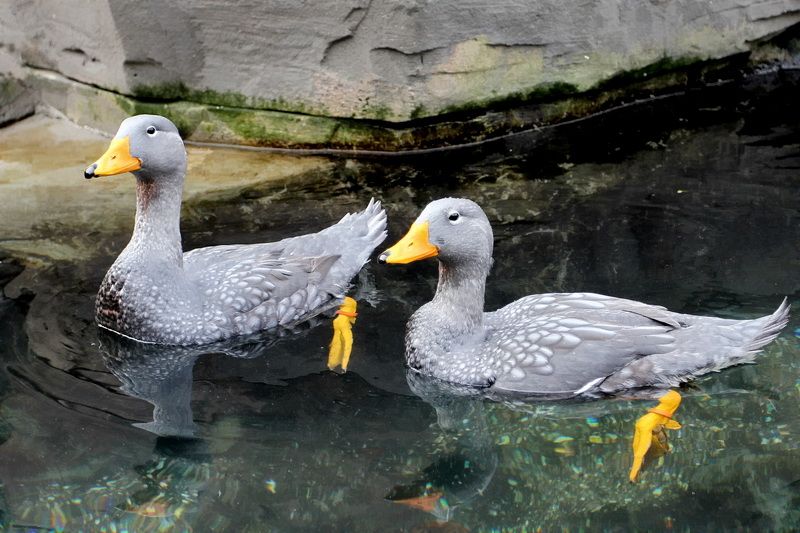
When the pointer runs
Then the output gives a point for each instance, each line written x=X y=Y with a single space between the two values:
x=569 y=343
x=353 y=239
x=248 y=288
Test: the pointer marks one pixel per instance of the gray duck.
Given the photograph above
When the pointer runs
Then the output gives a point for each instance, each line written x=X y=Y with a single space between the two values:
x=560 y=344
x=154 y=292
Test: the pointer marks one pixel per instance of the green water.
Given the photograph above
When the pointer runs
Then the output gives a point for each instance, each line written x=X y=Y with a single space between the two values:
x=689 y=202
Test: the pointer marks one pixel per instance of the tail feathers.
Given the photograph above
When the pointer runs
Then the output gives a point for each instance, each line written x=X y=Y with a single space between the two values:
x=770 y=327
x=376 y=223
x=373 y=213
x=707 y=345
x=369 y=227
x=355 y=237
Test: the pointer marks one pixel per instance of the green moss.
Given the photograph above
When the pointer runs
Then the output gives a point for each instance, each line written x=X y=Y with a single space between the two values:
x=178 y=91
x=548 y=91
x=377 y=112
x=540 y=93
x=279 y=104
x=270 y=128
x=279 y=129
x=665 y=65
x=229 y=99
x=217 y=123
x=184 y=115
x=357 y=134
x=418 y=112
x=126 y=104
x=168 y=91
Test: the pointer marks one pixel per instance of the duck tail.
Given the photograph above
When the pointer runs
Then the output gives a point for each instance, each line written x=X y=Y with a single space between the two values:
x=369 y=227
x=355 y=237
x=770 y=327
x=376 y=223
x=712 y=345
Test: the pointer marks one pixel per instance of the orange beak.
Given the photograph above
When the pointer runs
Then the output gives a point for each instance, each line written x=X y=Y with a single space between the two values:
x=116 y=160
x=412 y=247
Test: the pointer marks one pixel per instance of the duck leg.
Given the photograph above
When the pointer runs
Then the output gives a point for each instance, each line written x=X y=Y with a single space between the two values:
x=342 y=342
x=649 y=435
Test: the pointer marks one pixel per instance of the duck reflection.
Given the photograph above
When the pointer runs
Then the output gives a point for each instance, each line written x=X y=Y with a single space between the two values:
x=162 y=376
x=463 y=472
x=169 y=484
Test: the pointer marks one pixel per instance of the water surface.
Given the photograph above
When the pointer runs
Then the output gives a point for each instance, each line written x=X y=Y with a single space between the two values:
x=689 y=202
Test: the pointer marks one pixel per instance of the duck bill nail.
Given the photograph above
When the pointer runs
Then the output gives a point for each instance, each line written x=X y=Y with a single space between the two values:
x=414 y=246
x=117 y=159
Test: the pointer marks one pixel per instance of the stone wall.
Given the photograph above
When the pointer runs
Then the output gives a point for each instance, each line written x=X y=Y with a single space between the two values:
x=384 y=60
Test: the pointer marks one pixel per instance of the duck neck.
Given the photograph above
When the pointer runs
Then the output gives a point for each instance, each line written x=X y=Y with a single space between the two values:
x=156 y=235
x=459 y=295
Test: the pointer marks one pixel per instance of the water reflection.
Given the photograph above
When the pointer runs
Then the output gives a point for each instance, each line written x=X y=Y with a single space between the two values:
x=463 y=471
x=162 y=374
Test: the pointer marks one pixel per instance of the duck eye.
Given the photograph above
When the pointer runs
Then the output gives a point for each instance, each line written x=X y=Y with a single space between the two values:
x=151 y=130
x=453 y=216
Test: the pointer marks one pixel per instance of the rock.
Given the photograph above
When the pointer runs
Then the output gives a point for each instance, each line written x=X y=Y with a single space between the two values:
x=384 y=61
x=16 y=100
x=357 y=75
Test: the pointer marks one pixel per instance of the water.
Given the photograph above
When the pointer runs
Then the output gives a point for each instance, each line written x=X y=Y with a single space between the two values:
x=689 y=202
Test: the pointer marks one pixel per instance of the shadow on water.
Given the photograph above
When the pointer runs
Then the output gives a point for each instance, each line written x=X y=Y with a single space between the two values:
x=689 y=203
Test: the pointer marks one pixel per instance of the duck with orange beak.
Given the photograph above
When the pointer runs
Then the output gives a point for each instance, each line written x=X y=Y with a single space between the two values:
x=156 y=293
x=558 y=344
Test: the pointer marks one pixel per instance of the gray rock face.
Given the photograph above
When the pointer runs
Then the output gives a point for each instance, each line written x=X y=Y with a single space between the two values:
x=380 y=59
x=16 y=100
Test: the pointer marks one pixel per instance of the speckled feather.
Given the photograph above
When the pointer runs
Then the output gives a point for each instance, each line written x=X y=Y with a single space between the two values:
x=155 y=293
x=561 y=343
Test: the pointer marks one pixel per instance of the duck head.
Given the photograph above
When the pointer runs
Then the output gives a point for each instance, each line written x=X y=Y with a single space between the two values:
x=455 y=230
x=149 y=146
